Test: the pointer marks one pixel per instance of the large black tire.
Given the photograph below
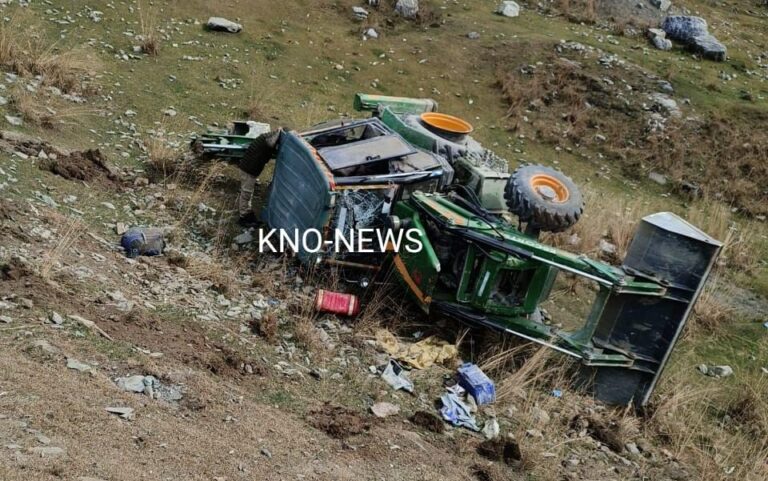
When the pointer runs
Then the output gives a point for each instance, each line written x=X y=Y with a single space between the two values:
x=545 y=198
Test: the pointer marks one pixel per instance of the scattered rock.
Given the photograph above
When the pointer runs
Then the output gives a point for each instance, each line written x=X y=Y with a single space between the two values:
x=15 y=121
x=384 y=409
x=45 y=346
x=661 y=43
x=716 y=371
x=360 y=13
x=508 y=9
x=47 y=451
x=123 y=412
x=6 y=319
x=56 y=318
x=606 y=247
x=666 y=104
x=658 y=178
x=407 y=8
x=709 y=47
x=473 y=35
x=131 y=383
x=244 y=238
x=534 y=433
x=77 y=365
x=632 y=449
x=662 y=5
x=371 y=33
x=219 y=24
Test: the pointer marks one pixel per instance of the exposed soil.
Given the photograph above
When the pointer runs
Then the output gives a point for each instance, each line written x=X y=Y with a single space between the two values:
x=337 y=421
x=500 y=450
x=89 y=166
x=428 y=421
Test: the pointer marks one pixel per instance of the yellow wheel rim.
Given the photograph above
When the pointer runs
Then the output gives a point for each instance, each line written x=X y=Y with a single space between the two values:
x=446 y=122
x=550 y=188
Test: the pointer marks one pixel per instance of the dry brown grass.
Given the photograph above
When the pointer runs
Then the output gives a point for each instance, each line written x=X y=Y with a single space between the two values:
x=149 y=37
x=41 y=110
x=33 y=54
x=713 y=430
x=72 y=229
x=578 y=11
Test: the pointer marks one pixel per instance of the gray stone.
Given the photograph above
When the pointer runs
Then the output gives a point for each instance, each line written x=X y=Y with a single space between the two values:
x=15 y=121
x=219 y=24
x=665 y=104
x=473 y=35
x=720 y=371
x=662 y=5
x=360 y=13
x=632 y=449
x=709 y=47
x=371 y=33
x=606 y=247
x=123 y=412
x=407 y=8
x=45 y=346
x=56 y=318
x=384 y=409
x=508 y=9
x=6 y=319
x=658 y=178
x=661 y=43
x=683 y=27
x=131 y=383
x=77 y=365
x=244 y=238
x=47 y=451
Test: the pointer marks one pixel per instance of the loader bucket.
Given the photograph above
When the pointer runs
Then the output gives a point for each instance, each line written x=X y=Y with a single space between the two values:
x=673 y=253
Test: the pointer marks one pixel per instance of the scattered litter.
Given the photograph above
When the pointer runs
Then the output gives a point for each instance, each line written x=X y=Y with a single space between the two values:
x=384 y=409
x=143 y=241
x=420 y=355
x=337 y=303
x=123 y=412
x=219 y=24
x=477 y=384
x=456 y=412
x=395 y=376
x=557 y=393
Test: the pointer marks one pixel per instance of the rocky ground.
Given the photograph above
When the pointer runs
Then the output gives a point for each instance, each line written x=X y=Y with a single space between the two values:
x=208 y=362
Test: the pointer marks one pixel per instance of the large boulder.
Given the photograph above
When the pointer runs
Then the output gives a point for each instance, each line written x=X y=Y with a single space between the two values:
x=508 y=9
x=219 y=24
x=709 y=47
x=684 y=28
x=407 y=8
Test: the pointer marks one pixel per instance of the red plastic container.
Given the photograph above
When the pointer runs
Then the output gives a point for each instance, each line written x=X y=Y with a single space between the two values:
x=337 y=303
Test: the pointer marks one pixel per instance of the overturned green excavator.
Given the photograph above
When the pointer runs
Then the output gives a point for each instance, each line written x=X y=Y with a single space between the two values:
x=408 y=167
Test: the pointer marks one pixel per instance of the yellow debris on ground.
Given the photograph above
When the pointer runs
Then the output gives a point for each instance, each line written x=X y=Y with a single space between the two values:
x=420 y=355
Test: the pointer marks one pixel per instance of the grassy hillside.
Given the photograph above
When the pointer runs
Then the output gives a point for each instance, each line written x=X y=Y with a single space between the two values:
x=561 y=85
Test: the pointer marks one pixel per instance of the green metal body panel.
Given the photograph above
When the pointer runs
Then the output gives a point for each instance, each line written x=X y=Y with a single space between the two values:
x=400 y=105
x=486 y=183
